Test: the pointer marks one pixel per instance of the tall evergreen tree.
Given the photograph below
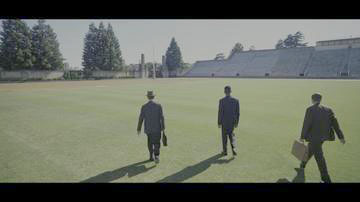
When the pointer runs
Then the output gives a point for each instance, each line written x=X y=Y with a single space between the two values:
x=46 y=47
x=113 y=58
x=101 y=44
x=101 y=49
x=173 y=56
x=15 y=45
x=90 y=48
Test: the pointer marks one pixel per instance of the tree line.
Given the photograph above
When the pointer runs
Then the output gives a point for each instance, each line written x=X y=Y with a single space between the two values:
x=37 y=48
x=24 y=48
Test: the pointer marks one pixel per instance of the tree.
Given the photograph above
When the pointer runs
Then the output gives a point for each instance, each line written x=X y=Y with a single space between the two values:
x=113 y=60
x=220 y=56
x=90 y=48
x=102 y=49
x=45 y=46
x=292 y=41
x=101 y=44
x=280 y=44
x=15 y=45
x=173 y=56
x=237 y=48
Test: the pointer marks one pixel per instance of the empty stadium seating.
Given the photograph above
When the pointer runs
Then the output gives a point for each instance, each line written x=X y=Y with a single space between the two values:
x=327 y=63
x=205 y=68
x=354 y=62
x=261 y=64
x=294 y=62
x=236 y=64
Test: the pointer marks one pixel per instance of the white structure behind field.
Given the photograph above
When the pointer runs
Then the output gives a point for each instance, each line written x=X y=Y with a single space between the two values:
x=327 y=59
x=31 y=75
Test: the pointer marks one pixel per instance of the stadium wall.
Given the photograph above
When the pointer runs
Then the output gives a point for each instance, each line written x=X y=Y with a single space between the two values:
x=30 y=75
x=108 y=74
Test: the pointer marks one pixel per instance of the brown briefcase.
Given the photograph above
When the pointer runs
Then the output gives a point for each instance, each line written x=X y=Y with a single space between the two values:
x=300 y=150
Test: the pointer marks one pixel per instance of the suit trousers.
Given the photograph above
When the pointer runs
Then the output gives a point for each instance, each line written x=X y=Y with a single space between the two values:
x=154 y=143
x=228 y=133
x=315 y=149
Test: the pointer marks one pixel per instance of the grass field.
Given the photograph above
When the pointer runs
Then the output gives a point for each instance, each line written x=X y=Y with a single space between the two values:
x=80 y=131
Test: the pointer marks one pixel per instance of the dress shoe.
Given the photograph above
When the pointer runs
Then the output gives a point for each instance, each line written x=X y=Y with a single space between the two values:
x=157 y=160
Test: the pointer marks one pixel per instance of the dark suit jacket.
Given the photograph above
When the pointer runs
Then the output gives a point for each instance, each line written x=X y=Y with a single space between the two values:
x=152 y=113
x=319 y=124
x=229 y=112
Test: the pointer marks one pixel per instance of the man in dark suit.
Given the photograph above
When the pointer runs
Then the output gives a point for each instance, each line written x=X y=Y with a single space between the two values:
x=319 y=125
x=228 y=119
x=152 y=113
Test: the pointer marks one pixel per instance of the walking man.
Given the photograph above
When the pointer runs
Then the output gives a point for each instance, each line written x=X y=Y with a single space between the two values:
x=152 y=113
x=319 y=125
x=228 y=119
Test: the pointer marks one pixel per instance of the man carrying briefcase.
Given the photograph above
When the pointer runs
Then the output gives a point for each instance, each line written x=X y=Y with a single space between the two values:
x=152 y=113
x=319 y=125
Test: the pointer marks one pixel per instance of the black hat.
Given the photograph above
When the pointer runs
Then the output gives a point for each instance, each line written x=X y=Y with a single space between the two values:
x=150 y=94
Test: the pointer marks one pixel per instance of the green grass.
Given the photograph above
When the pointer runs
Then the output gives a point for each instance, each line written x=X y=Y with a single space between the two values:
x=78 y=131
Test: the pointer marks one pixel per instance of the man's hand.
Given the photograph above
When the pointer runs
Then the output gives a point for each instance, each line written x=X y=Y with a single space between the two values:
x=138 y=132
x=236 y=125
x=342 y=141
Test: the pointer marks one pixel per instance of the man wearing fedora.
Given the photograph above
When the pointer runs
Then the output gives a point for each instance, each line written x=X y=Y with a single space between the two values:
x=228 y=119
x=152 y=113
x=319 y=125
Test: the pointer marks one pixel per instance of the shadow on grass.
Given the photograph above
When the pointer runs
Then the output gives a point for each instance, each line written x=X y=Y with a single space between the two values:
x=193 y=170
x=130 y=170
x=299 y=178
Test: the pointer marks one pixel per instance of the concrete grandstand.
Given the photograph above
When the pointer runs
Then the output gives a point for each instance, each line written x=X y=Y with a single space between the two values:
x=328 y=59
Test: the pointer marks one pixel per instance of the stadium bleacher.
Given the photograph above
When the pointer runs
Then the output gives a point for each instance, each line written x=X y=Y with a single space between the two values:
x=354 y=62
x=261 y=64
x=205 y=68
x=327 y=63
x=292 y=62
x=235 y=65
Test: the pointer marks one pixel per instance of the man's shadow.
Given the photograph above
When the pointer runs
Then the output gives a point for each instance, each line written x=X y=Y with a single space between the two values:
x=130 y=170
x=299 y=178
x=193 y=170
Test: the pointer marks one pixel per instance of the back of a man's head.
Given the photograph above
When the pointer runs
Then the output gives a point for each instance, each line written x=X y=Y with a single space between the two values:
x=316 y=98
x=227 y=90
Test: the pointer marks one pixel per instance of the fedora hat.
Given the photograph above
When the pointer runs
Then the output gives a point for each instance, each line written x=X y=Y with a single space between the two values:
x=150 y=94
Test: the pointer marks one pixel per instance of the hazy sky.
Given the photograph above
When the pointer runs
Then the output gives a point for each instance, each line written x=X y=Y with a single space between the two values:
x=197 y=39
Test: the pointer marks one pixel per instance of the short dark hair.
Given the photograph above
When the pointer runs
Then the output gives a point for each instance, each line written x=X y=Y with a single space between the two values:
x=227 y=88
x=316 y=97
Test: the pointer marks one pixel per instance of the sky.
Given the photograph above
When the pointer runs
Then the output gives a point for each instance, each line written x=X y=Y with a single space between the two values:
x=197 y=39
